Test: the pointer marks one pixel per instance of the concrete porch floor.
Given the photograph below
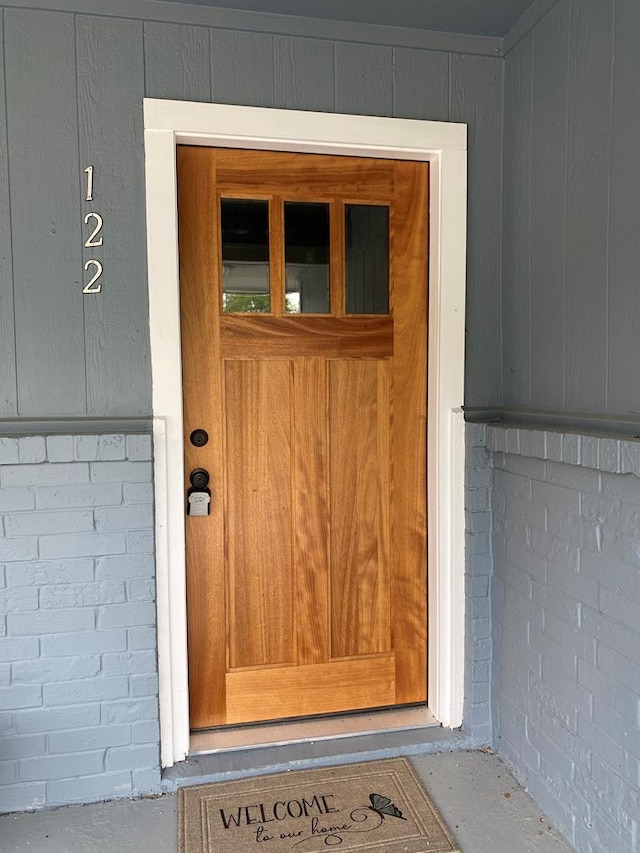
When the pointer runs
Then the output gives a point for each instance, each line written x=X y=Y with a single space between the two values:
x=484 y=807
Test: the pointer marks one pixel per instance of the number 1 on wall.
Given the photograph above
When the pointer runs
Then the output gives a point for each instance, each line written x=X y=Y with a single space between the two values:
x=89 y=174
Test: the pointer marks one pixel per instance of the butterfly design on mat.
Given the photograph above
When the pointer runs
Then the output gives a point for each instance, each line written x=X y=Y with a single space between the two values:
x=384 y=807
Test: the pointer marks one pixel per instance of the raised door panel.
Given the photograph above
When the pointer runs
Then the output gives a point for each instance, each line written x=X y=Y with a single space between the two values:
x=259 y=517
x=359 y=415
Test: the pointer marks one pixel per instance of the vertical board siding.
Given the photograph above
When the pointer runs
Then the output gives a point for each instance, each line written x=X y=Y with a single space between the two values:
x=177 y=62
x=420 y=84
x=476 y=86
x=110 y=92
x=364 y=75
x=516 y=229
x=75 y=86
x=578 y=267
x=570 y=311
x=624 y=224
x=242 y=68
x=548 y=208
x=8 y=386
x=588 y=203
x=45 y=211
x=304 y=78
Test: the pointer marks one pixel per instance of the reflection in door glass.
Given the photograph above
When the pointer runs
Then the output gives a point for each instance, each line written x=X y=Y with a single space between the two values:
x=367 y=259
x=245 y=255
x=306 y=255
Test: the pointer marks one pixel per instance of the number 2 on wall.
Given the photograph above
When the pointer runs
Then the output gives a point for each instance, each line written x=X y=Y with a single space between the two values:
x=93 y=239
x=93 y=286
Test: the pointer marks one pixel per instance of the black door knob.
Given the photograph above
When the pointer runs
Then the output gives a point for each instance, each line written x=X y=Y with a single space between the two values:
x=199 y=478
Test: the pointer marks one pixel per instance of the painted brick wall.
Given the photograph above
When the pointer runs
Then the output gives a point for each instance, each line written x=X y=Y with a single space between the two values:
x=78 y=672
x=478 y=645
x=566 y=628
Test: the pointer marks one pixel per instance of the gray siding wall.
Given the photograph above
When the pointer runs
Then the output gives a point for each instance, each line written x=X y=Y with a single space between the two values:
x=565 y=588
x=571 y=306
x=74 y=86
x=566 y=636
x=78 y=672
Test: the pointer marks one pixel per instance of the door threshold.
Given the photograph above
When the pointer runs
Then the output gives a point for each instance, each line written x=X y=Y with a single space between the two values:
x=304 y=731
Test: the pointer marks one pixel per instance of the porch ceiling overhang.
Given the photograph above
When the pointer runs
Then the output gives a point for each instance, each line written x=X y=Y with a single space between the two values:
x=473 y=17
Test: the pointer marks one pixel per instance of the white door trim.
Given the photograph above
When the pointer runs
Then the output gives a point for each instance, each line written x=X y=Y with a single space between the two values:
x=168 y=123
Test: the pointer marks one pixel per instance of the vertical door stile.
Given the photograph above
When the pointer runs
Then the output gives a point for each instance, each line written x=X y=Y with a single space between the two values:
x=409 y=301
x=200 y=301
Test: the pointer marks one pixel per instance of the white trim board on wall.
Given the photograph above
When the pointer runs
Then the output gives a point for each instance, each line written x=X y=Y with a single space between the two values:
x=168 y=123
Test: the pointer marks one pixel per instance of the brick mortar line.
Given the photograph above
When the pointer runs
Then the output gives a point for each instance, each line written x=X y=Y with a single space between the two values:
x=600 y=453
x=75 y=448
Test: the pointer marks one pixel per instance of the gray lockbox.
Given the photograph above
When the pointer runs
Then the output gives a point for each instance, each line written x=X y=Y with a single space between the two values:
x=198 y=503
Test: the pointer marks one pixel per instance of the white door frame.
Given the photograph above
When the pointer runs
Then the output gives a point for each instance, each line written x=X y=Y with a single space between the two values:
x=168 y=123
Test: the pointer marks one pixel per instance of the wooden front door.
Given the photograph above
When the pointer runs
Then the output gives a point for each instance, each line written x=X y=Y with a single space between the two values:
x=304 y=316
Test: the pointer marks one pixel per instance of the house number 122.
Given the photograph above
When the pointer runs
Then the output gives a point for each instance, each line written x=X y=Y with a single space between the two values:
x=95 y=222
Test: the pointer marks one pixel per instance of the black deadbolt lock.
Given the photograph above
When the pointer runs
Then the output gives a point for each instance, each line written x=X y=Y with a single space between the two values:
x=199 y=437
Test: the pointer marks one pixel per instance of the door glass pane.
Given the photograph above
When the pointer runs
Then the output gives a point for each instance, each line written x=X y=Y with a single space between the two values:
x=367 y=259
x=306 y=256
x=245 y=255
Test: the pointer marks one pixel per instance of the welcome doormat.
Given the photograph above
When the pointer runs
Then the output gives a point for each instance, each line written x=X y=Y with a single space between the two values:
x=378 y=806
